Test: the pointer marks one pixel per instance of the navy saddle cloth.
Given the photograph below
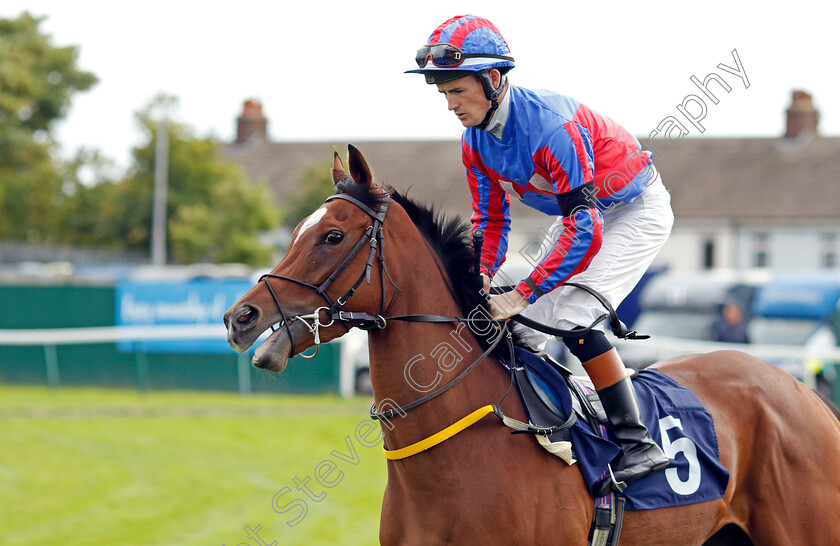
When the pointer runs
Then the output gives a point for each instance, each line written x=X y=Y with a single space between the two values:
x=675 y=417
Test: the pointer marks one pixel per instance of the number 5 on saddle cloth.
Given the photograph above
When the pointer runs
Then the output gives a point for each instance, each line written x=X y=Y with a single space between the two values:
x=675 y=417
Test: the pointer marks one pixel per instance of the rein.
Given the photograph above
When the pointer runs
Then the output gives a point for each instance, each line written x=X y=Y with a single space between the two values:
x=617 y=327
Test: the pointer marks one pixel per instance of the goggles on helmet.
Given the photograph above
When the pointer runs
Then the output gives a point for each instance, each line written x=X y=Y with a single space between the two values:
x=448 y=56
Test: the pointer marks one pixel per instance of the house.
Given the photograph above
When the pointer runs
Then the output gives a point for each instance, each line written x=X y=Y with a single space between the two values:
x=739 y=203
x=756 y=202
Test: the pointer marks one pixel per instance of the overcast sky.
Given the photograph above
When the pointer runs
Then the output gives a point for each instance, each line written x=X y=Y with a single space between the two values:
x=333 y=70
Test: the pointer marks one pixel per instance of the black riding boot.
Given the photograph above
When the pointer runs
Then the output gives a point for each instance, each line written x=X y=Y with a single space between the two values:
x=640 y=456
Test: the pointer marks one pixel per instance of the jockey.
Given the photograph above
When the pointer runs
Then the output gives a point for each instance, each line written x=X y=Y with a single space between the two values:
x=554 y=154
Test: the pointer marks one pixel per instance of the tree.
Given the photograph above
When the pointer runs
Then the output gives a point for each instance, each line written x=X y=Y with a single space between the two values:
x=37 y=82
x=89 y=210
x=214 y=214
x=315 y=186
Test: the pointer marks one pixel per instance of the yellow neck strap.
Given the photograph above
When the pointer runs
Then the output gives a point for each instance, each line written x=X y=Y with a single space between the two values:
x=439 y=437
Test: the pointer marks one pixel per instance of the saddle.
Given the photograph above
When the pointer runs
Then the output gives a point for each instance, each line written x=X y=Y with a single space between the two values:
x=543 y=385
x=554 y=398
x=567 y=418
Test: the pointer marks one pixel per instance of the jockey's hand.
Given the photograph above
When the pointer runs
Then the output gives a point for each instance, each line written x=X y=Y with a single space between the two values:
x=504 y=306
x=486 y=280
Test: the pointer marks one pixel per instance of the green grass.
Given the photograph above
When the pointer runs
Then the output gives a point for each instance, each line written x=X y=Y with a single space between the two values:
x=111 y=467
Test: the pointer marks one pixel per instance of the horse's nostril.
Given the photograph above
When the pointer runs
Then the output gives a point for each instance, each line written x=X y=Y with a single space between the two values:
x=244 y=317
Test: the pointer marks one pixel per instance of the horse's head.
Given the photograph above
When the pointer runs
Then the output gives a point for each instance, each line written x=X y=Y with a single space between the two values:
x=329 y=261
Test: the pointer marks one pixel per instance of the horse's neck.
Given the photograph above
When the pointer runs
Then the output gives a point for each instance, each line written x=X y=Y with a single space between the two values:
x=410 y=360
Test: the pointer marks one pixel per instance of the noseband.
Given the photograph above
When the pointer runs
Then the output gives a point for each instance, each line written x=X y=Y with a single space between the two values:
x=372 y=236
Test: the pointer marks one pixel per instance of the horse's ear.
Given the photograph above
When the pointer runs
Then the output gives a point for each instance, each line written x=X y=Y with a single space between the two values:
x=338 y=172
x=359 y=169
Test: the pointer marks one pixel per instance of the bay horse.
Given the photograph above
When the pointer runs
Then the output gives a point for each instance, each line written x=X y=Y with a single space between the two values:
x=382 y=256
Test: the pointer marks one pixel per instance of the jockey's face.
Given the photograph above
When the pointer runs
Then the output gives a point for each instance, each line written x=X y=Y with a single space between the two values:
x=465 y=97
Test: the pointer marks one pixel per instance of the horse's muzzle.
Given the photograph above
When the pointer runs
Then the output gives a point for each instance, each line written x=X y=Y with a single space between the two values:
x=242 y=329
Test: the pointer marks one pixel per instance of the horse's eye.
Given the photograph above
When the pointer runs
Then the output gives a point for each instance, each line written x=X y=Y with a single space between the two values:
x=333 y=237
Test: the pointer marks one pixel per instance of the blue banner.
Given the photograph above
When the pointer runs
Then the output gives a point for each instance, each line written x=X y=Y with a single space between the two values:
x=194 y=302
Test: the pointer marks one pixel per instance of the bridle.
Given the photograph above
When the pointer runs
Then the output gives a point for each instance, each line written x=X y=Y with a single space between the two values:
x=373 y=236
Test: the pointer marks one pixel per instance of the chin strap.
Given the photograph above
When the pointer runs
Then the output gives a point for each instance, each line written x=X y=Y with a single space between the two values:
x=491 y=94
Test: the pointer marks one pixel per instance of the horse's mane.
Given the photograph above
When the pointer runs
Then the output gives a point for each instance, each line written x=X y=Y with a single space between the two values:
x=448 y=236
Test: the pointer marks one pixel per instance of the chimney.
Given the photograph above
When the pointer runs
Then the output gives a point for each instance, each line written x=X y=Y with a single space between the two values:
x=802 y=117
x=251 y=124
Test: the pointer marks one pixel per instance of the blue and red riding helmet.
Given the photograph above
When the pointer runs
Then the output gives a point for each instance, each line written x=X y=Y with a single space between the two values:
x=462 y=45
